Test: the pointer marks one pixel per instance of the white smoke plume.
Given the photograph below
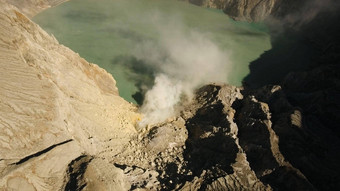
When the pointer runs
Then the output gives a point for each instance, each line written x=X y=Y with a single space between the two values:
x=160 y=101
x=186 y=59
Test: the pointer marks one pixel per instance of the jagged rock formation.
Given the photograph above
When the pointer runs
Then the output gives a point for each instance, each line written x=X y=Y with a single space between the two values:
x=233 y=139
x=258 y=10
x=310 y=91
x=226 y=139
x=248 y=10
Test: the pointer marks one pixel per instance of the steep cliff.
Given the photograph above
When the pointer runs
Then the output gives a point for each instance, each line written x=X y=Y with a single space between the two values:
x=258 y=10
x=54 y=107
x=247 y=10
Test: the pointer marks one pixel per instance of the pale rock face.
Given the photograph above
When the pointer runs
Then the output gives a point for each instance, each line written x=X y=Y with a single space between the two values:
x=246 y=10
x=256 y=10
x=54 y=107
x=33 y=7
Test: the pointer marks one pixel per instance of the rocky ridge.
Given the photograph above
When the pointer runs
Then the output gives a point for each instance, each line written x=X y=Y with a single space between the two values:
x=233 y=139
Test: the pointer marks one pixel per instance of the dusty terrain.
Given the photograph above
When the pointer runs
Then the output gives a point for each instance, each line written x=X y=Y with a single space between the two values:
x=55 y=106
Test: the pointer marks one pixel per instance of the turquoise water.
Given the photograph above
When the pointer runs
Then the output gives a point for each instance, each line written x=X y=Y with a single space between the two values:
x=110 y=32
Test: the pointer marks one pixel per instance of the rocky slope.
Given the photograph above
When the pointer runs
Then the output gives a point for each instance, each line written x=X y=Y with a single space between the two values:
x=54 y=107
x=258 y=10
x=233 y=139
x=248 y=10
x=63 y=125
x=33 y=7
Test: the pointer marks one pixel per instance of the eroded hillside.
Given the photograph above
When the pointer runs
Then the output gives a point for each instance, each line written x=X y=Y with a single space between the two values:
x=55 y=106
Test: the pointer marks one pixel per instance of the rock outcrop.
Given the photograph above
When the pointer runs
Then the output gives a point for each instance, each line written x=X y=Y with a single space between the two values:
x=226 y=139
x=310 y=91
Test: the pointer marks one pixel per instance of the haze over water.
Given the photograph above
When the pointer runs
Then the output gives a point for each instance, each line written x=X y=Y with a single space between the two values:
x=131 y=38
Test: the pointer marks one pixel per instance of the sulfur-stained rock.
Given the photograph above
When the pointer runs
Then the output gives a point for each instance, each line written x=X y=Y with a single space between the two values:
x=54 y=106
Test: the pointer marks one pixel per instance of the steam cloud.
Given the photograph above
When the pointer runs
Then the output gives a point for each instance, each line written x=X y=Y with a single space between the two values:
x=160 y=101
x=185 y=59
x=306 y=13
x=311 y=10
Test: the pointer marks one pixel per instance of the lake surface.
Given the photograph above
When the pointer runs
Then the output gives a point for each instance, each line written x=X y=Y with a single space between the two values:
x=125 y=36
